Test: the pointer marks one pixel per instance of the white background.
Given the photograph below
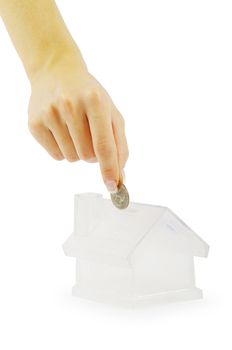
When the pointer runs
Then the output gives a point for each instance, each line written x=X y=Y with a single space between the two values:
x=168 y=67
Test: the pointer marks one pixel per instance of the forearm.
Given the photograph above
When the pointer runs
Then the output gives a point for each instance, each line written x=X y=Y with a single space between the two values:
x=38 y=32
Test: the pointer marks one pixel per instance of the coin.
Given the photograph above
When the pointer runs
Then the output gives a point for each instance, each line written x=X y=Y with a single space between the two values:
x=120 y=198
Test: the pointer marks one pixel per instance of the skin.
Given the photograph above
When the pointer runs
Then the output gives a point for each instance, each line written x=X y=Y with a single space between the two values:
x=70 y=113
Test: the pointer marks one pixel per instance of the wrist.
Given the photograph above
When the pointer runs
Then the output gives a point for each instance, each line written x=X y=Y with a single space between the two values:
x=60 y=56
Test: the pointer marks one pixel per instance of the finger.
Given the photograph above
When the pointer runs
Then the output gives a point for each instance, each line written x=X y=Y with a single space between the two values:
x=79 y=130
x=45 y=138
x=120 y=137
x=62 y=136
x=99 y=117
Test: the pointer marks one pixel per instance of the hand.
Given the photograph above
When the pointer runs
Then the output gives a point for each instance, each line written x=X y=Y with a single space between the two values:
x=72 y=116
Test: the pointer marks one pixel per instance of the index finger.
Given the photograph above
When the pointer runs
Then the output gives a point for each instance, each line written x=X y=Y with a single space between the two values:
x=100 y=123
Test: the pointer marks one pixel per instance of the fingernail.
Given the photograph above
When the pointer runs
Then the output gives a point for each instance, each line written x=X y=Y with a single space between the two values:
x=122 y=178
x=111 y=186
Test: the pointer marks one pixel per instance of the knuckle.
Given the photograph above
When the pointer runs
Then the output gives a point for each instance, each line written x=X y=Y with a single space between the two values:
x=84 y=152
x=93 y=97
x=104 y=148
x=34 y=125
x=57 y=156
x=127 y=154
x=69 y=111
x=107 y=173
x=52 y=116
x=52 y=109
x=122 y=121
x=87 y=156
x=65 y=104
x=126 y=151
x=125 y=157
x=72 y=158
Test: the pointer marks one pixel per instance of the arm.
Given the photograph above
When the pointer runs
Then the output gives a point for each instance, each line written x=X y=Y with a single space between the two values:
x=70 y=114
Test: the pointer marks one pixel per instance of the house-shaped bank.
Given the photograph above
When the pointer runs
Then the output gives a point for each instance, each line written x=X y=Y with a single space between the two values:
x=144 y=253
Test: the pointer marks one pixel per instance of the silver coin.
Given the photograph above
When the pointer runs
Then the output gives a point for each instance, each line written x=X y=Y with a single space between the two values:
x=120 y=198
